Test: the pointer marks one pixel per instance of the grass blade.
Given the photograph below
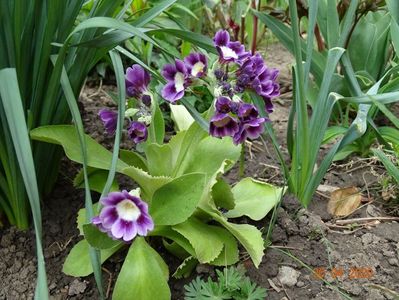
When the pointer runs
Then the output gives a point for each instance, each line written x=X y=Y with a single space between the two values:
x=120 y=80
x=14 y=112
x=309 y=43
x=152 y=13
x=388 y=164
x=73 y=106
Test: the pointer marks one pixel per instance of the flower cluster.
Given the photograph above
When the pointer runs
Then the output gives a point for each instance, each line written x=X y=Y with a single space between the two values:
x=123 y=216
x=180 y=74
x=137 y=80
x=236 y=71
x=239 y=120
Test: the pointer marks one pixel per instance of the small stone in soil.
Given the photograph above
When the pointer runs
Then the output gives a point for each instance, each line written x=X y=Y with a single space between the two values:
x=288 y=276
x=77 y=287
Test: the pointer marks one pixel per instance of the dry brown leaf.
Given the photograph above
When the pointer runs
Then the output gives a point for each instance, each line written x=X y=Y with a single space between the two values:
x=344 y=201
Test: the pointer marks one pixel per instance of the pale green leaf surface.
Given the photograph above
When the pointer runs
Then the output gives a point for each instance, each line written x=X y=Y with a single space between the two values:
x=149 y=184
x=254 y=199
x=204 y=238
x=78 y=261
x=144 y=275
x=177 y=200
x=66 y=136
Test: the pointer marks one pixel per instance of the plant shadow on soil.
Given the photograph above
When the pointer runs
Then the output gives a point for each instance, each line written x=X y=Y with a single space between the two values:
x=362 y=262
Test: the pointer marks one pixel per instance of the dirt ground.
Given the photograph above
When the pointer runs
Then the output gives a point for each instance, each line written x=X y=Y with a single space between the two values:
x=310 y=257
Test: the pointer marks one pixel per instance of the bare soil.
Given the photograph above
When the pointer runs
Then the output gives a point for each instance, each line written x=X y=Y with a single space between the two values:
x=361 y=262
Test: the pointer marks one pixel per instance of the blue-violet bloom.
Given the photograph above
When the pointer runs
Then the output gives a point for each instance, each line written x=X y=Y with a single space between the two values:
x=109 y=119
x=138 y=132
x=137 y=80
x=177 y=78
x=247 y=111
x=124 y=216
x=196 y=64
x=249 y=129
x=228 y=51
x=223 y=125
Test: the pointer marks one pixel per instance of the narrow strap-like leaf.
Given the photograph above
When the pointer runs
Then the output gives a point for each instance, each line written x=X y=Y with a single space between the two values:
x=12 y=104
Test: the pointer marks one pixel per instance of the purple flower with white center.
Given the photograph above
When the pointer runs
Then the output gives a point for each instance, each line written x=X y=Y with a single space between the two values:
x=249 y=129
x=196 y=64
x=228 y=51
x=247 y=111
x=124 y=216
x=223 y=125
x=109 y=119
x=138 y=132
x=137 y=80
x=177 y=78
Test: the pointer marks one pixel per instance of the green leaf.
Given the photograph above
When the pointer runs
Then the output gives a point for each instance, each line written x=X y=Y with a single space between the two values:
x=333 y=132
x=133 y=159
x=249 y=236
x=254 y=199
x=393 y=7
x=392 y=169
x=369 y=42
x=148 y=184
x=395 y=35
x=81 y=219
x=390 y=134
x=98 y=239
x=144 y=274
x=156 y=130
x=97 y=180
x=197 y=39
x=332 y=24
x=222 y=194
x=159 y=159
x=78 y=261
x=67 y=137
x=229 y=254
x=152 y=13
x=167 y=232
x=185 y=268
x=181 y=117
x=211 y=153
x=176 y=201
x=14 y=111
x=204 y=238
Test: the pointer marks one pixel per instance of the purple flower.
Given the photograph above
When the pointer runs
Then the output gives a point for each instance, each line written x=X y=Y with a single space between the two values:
x=137 y=80
x=223 y=125
x=138 y=132
x=196 y=64
x=228 y=51
x=223 y=105
x=177 y=78
x=109 y=119
x=247 y=111
x=123 y=216
x=249 y=129
x=255 y=75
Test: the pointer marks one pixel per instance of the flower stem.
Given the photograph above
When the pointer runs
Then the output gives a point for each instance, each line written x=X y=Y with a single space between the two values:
x=255 y=29
x=242 y=162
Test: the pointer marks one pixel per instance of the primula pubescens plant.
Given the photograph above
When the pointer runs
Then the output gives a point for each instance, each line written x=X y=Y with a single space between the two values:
x=181 y=198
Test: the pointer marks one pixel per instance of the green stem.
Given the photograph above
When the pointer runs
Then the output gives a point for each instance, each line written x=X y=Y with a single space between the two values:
x=242 y=161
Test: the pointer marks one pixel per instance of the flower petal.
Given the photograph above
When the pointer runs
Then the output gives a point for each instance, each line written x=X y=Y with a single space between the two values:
x=169 y=92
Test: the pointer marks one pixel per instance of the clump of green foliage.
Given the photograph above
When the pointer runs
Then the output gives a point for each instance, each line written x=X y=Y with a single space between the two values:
x=231 y=283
